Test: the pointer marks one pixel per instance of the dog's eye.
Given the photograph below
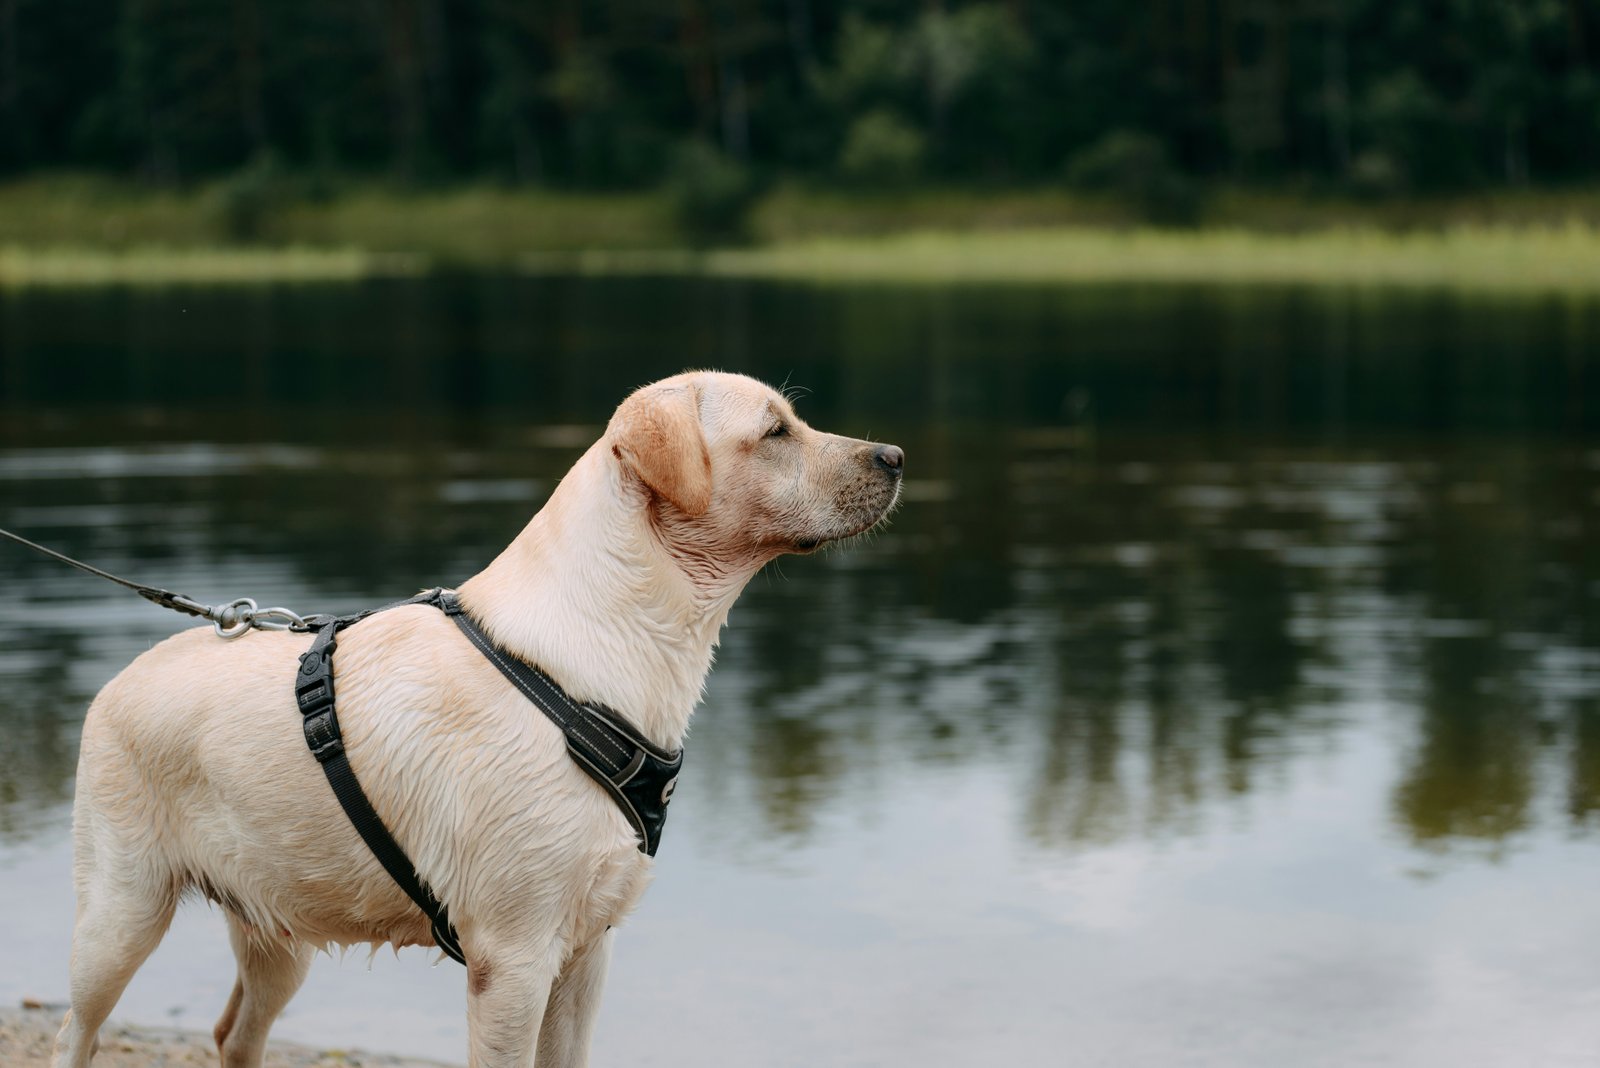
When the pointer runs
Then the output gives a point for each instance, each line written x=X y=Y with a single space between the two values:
x=778 y=431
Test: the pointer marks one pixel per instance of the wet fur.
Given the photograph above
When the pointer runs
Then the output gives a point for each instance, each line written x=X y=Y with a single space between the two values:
x=194 y=776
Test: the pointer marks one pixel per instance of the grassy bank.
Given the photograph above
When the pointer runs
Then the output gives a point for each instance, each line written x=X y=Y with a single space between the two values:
x=76 y=230
x=793 y=214
x=1505 y=259
x=70 y=230
x=157 y=265
x=466 y=224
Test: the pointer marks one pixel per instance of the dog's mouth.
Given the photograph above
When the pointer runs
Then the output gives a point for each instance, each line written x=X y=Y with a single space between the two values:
x=865 y=525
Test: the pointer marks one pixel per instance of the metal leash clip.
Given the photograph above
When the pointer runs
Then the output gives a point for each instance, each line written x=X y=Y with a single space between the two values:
x=240 y=614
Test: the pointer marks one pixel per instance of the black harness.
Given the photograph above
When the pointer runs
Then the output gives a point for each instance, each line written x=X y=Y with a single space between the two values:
x=639 y=776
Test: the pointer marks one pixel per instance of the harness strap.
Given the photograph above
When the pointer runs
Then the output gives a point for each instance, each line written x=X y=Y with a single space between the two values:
x=639 y=776
x=314 y=692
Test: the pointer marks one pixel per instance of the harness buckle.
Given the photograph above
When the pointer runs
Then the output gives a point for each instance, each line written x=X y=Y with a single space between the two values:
x=313 y=686
x=313 y=692
x=322 y=735
x=314 y=695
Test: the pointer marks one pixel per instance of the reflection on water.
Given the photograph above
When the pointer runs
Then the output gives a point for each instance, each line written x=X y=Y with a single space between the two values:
x=1172 y=566
x=1141 y=626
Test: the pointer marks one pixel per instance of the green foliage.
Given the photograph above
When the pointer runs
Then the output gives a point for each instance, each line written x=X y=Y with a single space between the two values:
x=1434 y=94
x=1410 y=126
x=1137 y=166
x=960 y=53
x=243 y=203
x=870 y=64
x=1122 y=159
x=882 y=150
x=710 y=192
x=961 y=74
x=1375 y=174
x=976 y=54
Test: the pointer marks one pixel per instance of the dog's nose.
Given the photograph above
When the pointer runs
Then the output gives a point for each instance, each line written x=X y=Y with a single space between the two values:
x=889 y=457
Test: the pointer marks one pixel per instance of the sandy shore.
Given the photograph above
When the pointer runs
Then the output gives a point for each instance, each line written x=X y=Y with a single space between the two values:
x=27 y=1035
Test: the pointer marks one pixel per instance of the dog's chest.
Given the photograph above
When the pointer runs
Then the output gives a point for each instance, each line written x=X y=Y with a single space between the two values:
x=613 y=892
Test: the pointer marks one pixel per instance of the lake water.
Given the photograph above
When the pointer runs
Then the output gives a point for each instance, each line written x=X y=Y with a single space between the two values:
x=1225 y=692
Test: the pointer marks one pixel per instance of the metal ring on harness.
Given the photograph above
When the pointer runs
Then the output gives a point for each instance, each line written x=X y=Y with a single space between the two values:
x=239 y=615
x=235 y=617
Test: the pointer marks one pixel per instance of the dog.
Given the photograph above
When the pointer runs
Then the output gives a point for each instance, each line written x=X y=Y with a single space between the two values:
x=194 y=776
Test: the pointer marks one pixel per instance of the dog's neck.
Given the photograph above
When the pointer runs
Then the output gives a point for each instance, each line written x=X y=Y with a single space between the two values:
x=588 y=594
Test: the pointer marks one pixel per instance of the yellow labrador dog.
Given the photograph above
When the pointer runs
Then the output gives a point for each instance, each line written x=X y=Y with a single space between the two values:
x=195 y=776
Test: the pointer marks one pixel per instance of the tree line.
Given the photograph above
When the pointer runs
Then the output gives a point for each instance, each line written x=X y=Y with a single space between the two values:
x=1370 y=95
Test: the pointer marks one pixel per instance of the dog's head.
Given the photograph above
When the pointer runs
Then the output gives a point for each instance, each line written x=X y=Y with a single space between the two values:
x=732 y=477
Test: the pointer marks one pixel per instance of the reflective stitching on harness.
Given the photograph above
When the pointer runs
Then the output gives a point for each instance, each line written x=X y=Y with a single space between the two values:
x=629 y=813
x=638 y=775
x=595 y=739
x=592 y=734
x=625 y=776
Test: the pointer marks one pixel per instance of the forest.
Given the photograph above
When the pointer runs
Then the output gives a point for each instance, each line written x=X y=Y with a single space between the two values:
x=1368 y=97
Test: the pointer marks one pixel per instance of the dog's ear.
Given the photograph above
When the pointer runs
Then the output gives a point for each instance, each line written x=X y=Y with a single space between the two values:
x=656 y=433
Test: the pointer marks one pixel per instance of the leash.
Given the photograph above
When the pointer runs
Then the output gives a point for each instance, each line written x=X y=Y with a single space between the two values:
x=639 y=777
x=230 y=620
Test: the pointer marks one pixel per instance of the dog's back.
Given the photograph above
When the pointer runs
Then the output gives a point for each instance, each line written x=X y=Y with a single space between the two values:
x=195 y=775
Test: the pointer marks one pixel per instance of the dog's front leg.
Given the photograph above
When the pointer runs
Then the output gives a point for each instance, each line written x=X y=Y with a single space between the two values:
x=574 y=1004
x=506 y=998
